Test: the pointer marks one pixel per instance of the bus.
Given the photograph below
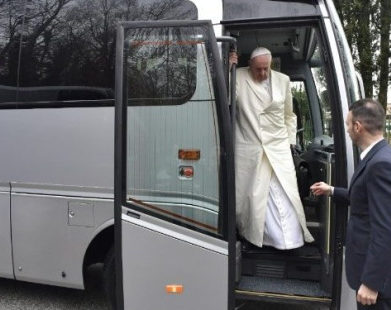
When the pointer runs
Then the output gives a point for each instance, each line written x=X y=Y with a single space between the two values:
x=117 y=148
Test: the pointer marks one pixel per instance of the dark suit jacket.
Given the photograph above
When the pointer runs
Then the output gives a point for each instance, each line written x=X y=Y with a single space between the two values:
x=368 y=237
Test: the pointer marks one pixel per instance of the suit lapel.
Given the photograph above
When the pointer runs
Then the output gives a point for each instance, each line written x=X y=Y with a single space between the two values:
x=364 y=162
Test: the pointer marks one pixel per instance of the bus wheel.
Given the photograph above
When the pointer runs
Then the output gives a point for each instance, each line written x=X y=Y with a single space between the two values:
x=109 y=278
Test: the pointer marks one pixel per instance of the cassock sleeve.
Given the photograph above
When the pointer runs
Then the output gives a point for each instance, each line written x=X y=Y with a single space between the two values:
x=290 y=116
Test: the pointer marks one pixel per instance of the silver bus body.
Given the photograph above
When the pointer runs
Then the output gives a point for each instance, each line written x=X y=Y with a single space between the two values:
x=57 y=169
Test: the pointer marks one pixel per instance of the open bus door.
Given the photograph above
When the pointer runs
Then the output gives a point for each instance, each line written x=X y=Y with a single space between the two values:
x=174 y=171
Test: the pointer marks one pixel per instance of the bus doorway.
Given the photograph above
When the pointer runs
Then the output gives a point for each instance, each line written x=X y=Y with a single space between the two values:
x=301 y=50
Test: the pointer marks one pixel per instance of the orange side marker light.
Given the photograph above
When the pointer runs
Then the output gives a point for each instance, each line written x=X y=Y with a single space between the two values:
x=189 y=154
x=174 y=289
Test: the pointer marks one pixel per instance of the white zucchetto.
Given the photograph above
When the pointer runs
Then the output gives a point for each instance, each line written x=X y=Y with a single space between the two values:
x=260 y=51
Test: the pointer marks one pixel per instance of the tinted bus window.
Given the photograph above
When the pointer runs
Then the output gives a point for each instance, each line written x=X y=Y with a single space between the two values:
x=302 y=109
x=158 y=137
x=72 y=43
x=236 y=9
x=11 y=20
x=162 y=69
x=318 y=71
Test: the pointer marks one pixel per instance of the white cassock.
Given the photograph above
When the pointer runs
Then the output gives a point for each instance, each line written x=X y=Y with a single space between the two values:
x=268 y=206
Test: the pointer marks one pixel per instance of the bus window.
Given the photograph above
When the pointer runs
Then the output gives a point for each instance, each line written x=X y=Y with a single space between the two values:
x=11 y=15
x=72 y=44
x=173 y=143
x=302 y=109
x=163 y=69
x=322 y=89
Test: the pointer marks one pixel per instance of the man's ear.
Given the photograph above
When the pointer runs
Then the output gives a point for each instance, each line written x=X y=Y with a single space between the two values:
x=359 y=126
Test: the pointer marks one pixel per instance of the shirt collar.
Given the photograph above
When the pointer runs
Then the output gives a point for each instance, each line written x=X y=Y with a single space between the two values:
x=366 y=151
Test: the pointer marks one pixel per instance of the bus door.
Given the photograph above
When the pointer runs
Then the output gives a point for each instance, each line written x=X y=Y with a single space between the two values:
x=174 y=175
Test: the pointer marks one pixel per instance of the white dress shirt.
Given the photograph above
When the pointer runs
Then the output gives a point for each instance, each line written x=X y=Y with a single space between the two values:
x=366 y=151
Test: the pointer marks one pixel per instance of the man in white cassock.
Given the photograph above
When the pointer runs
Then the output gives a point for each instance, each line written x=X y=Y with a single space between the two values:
x=268 y=206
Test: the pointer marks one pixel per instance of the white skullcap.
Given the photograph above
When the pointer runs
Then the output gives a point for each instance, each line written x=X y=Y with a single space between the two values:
x=260 y=51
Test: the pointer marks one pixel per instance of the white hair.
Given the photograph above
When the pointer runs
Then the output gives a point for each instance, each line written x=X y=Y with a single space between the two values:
x=260 y=51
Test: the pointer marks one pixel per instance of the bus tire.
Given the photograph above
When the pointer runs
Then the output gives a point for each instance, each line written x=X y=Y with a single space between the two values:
x=109 y=278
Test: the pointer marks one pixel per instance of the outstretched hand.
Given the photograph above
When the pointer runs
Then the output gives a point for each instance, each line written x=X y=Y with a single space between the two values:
x=320 y=188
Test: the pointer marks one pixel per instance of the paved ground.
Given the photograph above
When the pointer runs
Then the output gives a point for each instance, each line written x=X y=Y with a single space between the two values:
x=17 y=295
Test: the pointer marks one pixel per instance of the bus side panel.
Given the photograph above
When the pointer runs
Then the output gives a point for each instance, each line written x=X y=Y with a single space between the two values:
x=59 y=162
x=71 y=146
x=6 y=269
x=162 y=260
x=51 y=235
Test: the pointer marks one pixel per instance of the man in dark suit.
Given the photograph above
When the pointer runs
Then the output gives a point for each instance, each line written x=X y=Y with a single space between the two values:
x=368 y=238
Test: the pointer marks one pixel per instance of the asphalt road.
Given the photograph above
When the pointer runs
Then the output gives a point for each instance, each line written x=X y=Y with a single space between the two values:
x=17 y=295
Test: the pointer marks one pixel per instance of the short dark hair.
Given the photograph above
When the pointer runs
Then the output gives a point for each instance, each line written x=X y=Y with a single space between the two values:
x=369 y=113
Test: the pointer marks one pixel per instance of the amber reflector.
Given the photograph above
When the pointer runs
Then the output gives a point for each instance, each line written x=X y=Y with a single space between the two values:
x=174 y=289
x=189 y=154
